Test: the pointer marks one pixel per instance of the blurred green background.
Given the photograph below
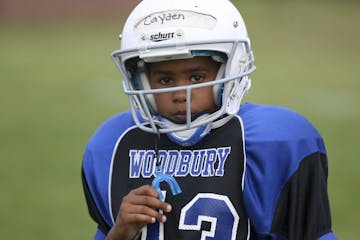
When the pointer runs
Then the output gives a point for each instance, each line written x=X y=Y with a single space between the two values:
x=58 y=83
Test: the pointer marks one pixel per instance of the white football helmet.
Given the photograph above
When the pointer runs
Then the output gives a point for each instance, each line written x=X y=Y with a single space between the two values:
x=159 y=30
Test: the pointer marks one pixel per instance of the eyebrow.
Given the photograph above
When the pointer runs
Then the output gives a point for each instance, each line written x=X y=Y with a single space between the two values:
x=169 y=72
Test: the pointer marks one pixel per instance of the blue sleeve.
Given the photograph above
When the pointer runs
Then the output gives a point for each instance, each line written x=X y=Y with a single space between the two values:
x=99 y=235
x=96 y=169
x=328 y=236
x=277 y=143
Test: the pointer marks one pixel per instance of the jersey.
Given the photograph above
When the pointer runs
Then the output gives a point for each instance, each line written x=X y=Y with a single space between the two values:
x=263 y=175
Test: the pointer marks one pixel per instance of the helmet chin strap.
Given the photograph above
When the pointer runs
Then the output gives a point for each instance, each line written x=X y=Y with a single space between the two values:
x=193 y=135
x=190 y=136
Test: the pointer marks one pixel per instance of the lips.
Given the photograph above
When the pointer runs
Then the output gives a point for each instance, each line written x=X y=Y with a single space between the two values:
x=179 y=117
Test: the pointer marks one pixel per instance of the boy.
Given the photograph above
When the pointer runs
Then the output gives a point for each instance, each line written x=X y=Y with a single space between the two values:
x=187 y=162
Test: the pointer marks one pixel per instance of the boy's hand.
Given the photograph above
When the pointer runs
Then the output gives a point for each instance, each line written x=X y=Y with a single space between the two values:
x=138 y=209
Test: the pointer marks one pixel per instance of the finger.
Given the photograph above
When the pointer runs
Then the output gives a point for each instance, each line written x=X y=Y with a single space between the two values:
x=152 y=202
x=142 y=214
x=145 y=190
x=141 y=218
x=147 y=209
x=146 y=195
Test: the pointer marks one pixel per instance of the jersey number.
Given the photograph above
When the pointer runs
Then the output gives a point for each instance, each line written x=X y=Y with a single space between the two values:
x=213 y=208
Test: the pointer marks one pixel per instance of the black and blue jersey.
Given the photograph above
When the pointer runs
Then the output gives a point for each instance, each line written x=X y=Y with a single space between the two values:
x=263 y=175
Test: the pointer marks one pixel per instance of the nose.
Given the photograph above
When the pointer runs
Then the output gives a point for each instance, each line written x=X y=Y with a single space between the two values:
x=179 y=96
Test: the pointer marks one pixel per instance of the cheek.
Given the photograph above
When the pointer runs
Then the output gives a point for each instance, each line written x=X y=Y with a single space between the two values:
x=204 y=96
x=202 y=99
x=162 y=100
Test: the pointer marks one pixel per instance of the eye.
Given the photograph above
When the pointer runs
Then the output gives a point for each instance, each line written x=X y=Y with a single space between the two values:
x=164 y=81
x=197 y=78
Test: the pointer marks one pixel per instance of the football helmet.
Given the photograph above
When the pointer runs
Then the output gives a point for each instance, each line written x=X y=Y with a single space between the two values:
x=161 y=30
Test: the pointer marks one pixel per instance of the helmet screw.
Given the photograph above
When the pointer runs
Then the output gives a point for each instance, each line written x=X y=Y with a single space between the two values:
x=179 y=33
x=236 y=24
x=143 y=37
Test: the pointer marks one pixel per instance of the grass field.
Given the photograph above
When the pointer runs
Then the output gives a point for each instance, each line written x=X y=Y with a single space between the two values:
x=57 y=84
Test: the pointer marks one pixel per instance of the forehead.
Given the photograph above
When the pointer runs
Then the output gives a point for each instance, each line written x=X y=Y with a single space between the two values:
x=203 y=63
